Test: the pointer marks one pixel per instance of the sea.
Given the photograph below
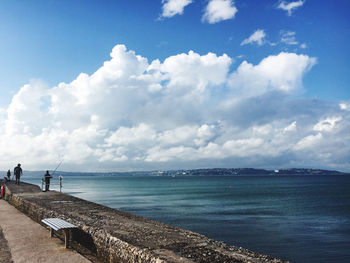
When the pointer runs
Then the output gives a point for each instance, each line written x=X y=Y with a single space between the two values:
x=296 y=218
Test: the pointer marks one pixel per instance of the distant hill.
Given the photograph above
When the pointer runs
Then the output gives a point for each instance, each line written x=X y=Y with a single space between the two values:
x=252 y=171
x=197 y=172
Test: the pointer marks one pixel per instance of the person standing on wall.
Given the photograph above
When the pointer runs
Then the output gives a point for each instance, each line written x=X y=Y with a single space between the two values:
x=18 y=172
x=47 y=181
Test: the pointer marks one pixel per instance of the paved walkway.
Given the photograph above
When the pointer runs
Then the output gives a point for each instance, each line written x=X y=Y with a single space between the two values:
x=5 y=254
x=29 y=242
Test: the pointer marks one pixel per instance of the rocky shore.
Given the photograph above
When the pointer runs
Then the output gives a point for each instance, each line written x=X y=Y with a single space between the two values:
x=109 y=235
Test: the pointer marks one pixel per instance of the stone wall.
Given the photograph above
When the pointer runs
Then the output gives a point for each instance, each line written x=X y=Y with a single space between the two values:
x=109 y=235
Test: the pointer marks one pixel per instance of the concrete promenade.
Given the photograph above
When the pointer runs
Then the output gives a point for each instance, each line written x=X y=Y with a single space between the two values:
x=104 y=234
x=28 y=241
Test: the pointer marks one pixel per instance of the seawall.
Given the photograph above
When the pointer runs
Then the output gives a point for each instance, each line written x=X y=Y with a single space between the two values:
x=111 y=235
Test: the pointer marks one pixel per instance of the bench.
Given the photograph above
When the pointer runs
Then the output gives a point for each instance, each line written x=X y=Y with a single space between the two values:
x=58 y=224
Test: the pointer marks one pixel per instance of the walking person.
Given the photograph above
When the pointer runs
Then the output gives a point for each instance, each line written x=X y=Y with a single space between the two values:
x=47 y=181
x=18 y=172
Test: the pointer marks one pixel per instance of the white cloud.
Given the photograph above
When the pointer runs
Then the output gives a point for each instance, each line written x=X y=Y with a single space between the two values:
x=345 y=106
x=328 y=124
x=190 y=75
x=126 y=136
x=219 y=10
x=174 y=7
x=291 y=127
x=257 y=37
x=288 y=37
x=158 y=154
x=308 y=142
x=189 y=109
x=282 y=72
x=291 y=6
x=243 y=147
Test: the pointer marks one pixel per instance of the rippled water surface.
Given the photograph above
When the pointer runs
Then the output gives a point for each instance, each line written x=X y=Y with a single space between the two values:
x=298 y=218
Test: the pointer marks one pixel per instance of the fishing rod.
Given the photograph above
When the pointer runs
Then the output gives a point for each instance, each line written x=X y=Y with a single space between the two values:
x=57 y=167
x=46 y=181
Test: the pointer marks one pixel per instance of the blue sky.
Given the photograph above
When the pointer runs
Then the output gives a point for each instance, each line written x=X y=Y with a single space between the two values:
x=44 y=43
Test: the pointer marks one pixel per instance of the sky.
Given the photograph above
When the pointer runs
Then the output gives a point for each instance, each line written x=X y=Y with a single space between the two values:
x=116 y=85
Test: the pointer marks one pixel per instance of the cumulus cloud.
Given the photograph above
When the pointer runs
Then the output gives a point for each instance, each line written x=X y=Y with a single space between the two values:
x=257 y=37
x=219 y=10
x=189 y=110
x=281 y=72
x=290 y=6
x=174 y=7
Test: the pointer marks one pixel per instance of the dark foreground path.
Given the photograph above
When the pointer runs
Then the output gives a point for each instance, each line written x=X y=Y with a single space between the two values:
x=5 y=254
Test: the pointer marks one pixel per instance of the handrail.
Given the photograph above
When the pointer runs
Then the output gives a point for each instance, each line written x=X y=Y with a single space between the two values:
x=60 y=178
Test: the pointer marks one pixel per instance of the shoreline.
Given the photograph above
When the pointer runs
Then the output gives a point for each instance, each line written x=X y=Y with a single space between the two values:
x=115 y=236
x=208 y=171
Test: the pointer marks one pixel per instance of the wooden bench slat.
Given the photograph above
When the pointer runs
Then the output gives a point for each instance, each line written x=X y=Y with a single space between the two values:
x=57 y=223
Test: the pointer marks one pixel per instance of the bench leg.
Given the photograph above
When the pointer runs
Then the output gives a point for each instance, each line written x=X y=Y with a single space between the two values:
x=51 y=232
x=66 y=238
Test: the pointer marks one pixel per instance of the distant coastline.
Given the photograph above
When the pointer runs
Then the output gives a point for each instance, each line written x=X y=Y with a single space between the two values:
x=251 y=171
x=206 y=172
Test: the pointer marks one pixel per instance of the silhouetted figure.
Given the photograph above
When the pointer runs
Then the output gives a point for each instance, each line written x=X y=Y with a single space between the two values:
x=47 y=181
x=18 y=172
x=8 y=176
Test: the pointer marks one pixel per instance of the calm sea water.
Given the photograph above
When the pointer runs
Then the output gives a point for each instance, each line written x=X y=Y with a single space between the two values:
x=297 y=218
